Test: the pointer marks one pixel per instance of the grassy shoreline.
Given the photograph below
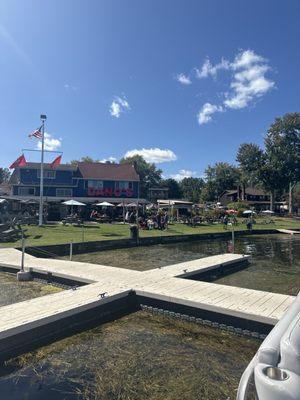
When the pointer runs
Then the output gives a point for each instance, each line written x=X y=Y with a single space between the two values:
x=60 y=234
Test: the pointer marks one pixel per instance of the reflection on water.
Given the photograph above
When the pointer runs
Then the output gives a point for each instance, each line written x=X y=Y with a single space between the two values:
x=138 y=357
x=275 y=264
x=12 y=291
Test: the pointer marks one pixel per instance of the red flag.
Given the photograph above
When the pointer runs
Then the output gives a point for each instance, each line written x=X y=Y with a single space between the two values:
x=20 y=162
x=55 y=162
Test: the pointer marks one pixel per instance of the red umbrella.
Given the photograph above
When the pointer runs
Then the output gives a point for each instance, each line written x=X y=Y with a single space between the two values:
x=231 y=211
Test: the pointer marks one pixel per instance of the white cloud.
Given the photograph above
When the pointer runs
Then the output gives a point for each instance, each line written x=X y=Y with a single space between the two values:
x=183 y=79
x=208 y=69
x=118 y=106
x=153 y=155
x=110 y=159
x=50 y=143
x=249 y=82
x=183 y=173
x=69 y=87
x=246 y=58
x=206 y=112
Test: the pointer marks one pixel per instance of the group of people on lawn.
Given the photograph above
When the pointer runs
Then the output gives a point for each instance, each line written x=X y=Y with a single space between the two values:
x=153 y=221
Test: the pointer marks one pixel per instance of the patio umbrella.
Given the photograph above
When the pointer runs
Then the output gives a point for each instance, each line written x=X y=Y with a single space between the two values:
x=105 y=204
x=268 y=212
x=72 y=203
x=249 y=212
x=133 y=205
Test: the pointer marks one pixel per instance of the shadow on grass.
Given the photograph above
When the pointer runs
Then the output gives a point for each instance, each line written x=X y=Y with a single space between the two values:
x=113 y=235
x=85 y=226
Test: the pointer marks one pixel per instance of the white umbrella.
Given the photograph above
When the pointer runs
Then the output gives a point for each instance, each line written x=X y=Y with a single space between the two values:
x=105 y=204
x=133 y=204
x=73 y=202
x=267 y=212
x=247 y=212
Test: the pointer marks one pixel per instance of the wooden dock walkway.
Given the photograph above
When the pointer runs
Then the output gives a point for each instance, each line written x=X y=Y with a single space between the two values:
x=289 y=231
x=162 y=285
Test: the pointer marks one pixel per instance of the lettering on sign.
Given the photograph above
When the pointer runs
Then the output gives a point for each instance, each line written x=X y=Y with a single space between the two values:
x=110 y=192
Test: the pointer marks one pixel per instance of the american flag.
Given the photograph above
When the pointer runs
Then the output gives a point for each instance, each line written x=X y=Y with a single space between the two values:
x=37 y=133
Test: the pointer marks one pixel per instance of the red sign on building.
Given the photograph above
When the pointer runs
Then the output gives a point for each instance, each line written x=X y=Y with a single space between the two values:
x=109 y=192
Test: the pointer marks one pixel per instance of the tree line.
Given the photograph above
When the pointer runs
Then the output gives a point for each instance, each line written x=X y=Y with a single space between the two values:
x=274 y=168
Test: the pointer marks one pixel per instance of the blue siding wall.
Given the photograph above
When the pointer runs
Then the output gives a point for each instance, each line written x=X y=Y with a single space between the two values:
x=64 y=179
x=30 y=177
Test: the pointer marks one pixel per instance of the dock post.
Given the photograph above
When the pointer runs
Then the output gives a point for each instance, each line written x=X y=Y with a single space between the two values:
x=23 y=275
x=71 y=250
x=82 y=231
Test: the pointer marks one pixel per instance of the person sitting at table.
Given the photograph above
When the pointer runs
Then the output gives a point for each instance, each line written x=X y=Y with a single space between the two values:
x=150 y=224
x=94 y=214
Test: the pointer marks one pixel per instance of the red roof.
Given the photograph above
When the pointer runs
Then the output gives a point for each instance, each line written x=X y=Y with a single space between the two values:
x=114 y=172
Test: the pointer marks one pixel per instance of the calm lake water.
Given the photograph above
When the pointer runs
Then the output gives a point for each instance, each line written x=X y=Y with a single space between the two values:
x=138 y=357
x=275 y=264
x=12 y=291
x=154 y=357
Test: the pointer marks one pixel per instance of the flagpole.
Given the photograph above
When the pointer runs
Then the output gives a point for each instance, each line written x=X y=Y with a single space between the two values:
x=43 y=118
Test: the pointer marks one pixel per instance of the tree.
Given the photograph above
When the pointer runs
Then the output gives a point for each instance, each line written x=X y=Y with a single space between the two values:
x=150 y=176
x=174 y=191
x=86 y=159
x=191 y=188
x=250 y=158
x=219 y=177
x=4 y=175
x=278 y=166
x=282 y=145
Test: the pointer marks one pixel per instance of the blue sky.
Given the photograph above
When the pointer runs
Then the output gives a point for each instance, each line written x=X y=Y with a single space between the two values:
x=189 y=79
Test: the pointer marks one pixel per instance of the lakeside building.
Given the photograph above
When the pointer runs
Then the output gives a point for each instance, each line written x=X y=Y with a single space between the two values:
x=85 y=182
x=254 y=197
x=156 y=193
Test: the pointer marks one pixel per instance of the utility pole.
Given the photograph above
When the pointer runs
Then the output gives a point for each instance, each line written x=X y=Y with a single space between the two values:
x=291 y=186
x=41 y=207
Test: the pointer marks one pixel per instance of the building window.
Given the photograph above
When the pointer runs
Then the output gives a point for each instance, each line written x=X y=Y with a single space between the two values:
x=64 y=192
x=26 y=191
x=123 y=185
x=94 y=184
x=47 y=174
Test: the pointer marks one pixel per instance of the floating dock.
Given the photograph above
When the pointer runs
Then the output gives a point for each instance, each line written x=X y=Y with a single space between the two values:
x=109 y=292
x=289 y=231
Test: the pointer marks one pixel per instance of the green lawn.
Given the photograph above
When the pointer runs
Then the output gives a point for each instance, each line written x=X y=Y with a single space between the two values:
x=55 y=234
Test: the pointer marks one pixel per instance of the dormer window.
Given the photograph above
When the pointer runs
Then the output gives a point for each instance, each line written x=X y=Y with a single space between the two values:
x=47 y=174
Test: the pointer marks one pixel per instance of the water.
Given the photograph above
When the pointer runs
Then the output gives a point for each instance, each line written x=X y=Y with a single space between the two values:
x=138 y=357
x=12 y=291
x=275 y=264
x=144 y=356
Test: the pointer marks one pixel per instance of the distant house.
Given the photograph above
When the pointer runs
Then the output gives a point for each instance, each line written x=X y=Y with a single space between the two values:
x=5 y=189
x=155 y=193
x=254 y=197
